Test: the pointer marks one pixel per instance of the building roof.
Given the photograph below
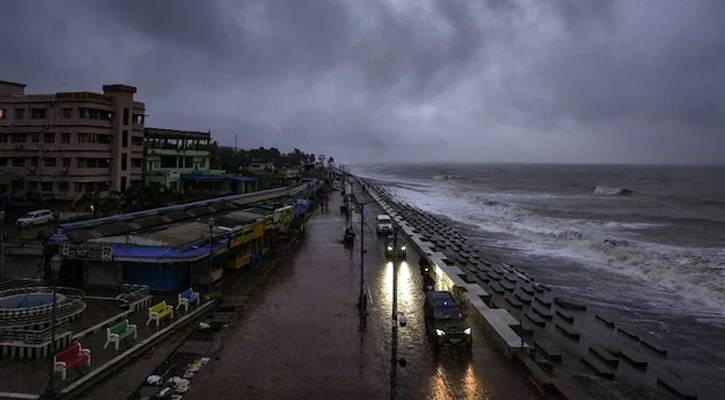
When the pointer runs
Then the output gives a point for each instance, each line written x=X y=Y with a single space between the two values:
x=12 y=83
x=203 y=177
x=243 y=178
x=124 y=228
x=158 y=133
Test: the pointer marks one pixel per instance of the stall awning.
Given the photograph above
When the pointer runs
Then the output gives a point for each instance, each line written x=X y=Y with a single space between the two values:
x=203 y=177
x=243 y=178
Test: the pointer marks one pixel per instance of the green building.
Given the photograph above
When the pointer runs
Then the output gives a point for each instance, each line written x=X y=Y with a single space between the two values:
x=172 y=154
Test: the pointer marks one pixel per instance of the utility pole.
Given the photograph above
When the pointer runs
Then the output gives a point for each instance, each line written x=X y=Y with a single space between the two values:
x=394 y=344
x=211 y=252
x=362 y=301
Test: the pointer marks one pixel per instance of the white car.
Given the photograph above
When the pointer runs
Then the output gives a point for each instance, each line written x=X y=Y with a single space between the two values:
x=384 y=223
x=38 y=217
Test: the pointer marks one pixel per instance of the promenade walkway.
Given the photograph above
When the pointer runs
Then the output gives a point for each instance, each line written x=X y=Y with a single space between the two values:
x=298 y=336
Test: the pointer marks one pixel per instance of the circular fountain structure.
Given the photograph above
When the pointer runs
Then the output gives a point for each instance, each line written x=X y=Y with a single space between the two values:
x=28 y=301
x=31 y=307
x=26 y=319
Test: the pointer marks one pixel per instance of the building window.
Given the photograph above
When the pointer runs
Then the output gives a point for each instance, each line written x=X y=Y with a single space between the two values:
x=50 y=161
x=66 y=162
x=63 y=186
x=35 y=137
x=82 y=112
x=46 y=186
x=123 y=184
x=38 y=113
x=124 y=161
x=67 y=113
x=125 y=116
x=19 y=113
x=124 y=139
x=94 y=113
x=34 y=161
x=3 y=113
x=136 y=141
x=93 y=163
x=3 y=137
x=168 y=162
x=65 y=137
x=136 y=162
x=138 y=119
x=49 y=137
x=32 y=186
x=18 y=162
x=19 y=138
x=94 y=138
x=3 y=162
x=79 y=187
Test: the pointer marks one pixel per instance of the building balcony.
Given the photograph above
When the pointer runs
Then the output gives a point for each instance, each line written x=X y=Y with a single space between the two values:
x=177 y=152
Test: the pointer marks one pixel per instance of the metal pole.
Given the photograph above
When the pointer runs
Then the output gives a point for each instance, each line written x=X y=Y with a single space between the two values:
x=211 y=256
x=362 y=301
x=394 y=345
x=51 y=379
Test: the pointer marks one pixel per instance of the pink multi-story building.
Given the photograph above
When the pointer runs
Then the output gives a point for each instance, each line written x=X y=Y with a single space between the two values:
x=68 y=144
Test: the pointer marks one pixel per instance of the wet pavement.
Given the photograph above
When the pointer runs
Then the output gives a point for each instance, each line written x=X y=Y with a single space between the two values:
x=298 y=336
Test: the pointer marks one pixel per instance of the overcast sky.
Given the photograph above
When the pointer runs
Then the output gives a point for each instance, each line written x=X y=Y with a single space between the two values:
x=399 y=80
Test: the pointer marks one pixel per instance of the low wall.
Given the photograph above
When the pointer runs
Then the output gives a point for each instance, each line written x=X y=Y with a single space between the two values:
x=498 y=323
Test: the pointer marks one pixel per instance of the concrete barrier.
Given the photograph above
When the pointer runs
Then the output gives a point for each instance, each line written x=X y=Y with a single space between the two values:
x=497 y=323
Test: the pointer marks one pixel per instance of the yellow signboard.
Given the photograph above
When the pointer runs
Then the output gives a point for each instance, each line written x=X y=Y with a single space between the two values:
x=268 y=222
x=259 y=230
x=288 y=214
x=83 y=96
x=242 y=236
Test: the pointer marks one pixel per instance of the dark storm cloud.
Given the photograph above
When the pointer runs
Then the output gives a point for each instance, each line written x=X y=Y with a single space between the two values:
x=497 y=80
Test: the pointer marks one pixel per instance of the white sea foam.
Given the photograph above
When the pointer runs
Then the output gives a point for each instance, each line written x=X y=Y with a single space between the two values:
x=692 y=272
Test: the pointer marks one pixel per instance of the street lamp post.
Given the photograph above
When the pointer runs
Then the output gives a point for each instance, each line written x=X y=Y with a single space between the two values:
x=211 y=251
x=55 y=264
x=394 y=360
x=362 y=301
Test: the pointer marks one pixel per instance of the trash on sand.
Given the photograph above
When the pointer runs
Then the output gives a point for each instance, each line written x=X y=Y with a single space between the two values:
x=204 y=325
x=153 y=379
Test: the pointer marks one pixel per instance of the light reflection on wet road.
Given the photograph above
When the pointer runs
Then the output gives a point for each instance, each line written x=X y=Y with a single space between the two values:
x=450 y=375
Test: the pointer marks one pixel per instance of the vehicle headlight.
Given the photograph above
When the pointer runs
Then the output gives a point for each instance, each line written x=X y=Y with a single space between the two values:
x=467 y=331
x=402 y=248
x=440 y=332
x=390 y=247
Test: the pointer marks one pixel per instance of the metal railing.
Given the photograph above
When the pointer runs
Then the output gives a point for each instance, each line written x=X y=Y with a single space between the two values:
x=31 y=336
x=71 y=304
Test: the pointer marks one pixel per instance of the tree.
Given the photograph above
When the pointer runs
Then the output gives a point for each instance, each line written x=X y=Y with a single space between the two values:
x=330 y=161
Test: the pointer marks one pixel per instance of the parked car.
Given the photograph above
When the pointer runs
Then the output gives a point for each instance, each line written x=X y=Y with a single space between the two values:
x=384 y=224
x=397 y=248
x=445 y=322
x=37 y=217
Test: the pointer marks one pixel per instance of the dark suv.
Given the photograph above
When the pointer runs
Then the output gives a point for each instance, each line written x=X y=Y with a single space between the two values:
x=398 y=249
x=445 y=322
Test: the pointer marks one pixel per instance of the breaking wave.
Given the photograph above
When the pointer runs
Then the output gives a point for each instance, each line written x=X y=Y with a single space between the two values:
x=592 y=243
x=612 y=191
